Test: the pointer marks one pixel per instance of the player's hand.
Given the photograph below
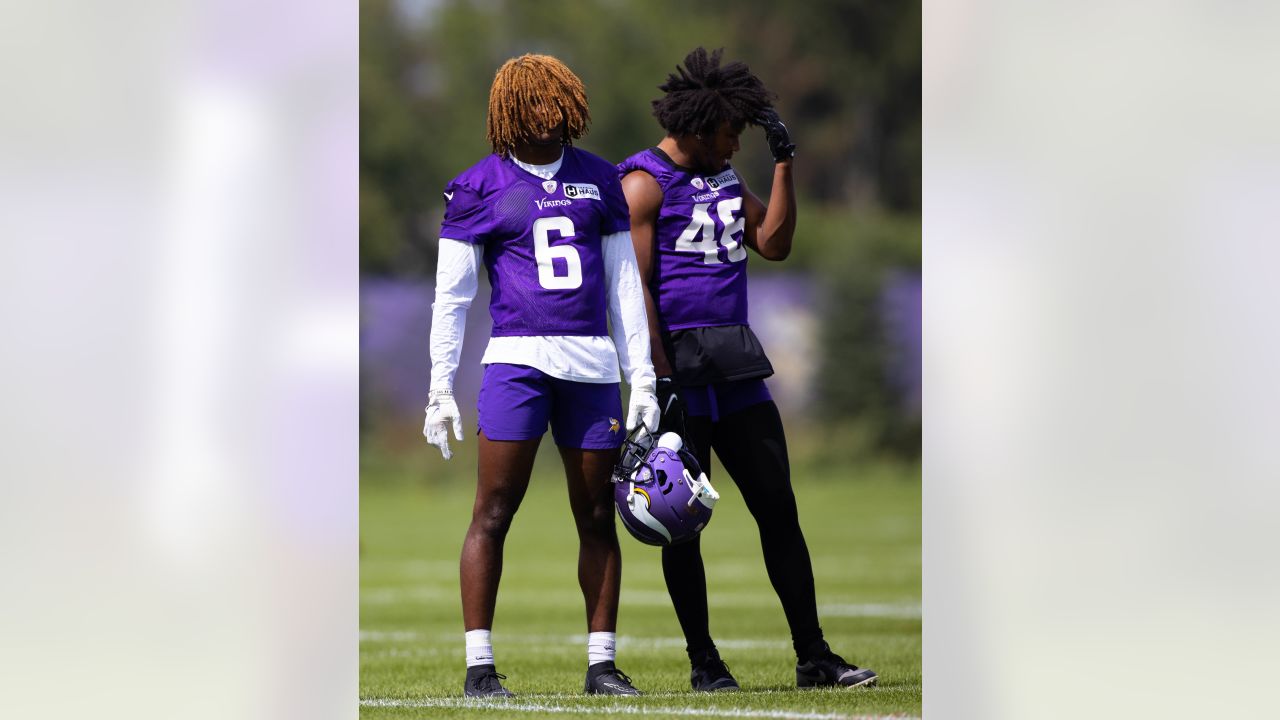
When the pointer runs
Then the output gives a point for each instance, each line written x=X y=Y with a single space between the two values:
x=670 y=404
x=775 y=132
x=643 y=410
x=442 y=412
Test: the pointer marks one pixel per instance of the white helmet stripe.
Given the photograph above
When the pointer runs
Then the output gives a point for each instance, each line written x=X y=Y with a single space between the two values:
x=640 y=510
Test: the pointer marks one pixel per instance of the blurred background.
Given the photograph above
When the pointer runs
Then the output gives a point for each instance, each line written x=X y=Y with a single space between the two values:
x=840 y=318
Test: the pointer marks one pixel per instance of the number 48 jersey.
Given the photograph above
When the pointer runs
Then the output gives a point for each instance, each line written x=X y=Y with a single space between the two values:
x=541 y=239
x=699 y=272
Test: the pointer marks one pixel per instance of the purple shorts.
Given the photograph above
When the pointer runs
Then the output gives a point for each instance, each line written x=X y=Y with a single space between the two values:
x=517 y=402
x=724 y=398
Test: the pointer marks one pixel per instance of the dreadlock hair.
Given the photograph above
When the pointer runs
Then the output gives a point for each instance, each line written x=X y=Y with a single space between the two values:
x=530 y=95
x=703 y=95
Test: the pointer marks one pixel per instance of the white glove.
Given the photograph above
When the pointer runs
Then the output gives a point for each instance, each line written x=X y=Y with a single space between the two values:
x=442 y=411
x=643 y=409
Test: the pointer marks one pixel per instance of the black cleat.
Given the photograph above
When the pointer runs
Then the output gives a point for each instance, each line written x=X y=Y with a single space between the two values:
x=482 y=681
x=828 y=669
x=604 y=678
x=710 y=674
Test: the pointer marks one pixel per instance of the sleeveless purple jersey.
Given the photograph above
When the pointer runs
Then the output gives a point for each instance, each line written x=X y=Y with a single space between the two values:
x=542 y=240
x=699 y=274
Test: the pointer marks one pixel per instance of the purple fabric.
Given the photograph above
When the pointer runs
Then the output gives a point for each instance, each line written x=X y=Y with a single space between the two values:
x=721 y=399
x=517 y=402
x=900 y=312
x=509 y=211
x=690 y=291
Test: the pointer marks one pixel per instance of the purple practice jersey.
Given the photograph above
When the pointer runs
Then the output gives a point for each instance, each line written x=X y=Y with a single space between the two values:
x=699 y=273
x=541 y=239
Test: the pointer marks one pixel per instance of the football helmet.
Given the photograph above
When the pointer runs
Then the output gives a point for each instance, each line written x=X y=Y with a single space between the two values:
x=663 y=496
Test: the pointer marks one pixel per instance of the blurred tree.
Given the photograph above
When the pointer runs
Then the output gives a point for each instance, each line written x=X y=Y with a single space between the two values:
x=847 y=74
x=859 y=391
x=396 y=162
x=848 y=78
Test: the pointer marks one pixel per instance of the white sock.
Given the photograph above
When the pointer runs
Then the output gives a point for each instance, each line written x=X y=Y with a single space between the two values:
x=479 y=648
x=600 y=647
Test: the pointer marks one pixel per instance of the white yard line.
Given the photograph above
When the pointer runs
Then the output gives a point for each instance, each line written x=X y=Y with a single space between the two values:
x=435 y=592
x=625 y=641
x=905 y=611
x=885 y=610
x=518 y=706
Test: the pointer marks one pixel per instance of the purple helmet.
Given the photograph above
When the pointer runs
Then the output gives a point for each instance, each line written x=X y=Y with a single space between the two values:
x=662 y=494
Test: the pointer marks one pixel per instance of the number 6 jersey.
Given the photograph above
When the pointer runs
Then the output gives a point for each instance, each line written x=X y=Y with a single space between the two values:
x=699 y=272
x=541 y=240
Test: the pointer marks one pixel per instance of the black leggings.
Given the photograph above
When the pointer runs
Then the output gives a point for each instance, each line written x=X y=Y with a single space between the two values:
x=753 y=449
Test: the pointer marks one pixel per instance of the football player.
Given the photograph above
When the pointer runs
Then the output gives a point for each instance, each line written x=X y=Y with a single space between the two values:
x=549 y=222
x=692 y=221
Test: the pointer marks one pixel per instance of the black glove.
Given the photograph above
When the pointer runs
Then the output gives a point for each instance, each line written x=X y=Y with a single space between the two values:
x=775 y=132
x=671 y=405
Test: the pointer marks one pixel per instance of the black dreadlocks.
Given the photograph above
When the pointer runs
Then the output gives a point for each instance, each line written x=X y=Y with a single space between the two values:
x=703 y=95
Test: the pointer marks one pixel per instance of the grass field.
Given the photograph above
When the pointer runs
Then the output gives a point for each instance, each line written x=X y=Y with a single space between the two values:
x=863 y=529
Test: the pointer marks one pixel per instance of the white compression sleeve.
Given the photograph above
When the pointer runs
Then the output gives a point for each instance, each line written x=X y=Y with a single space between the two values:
x=457 y=271
x=628 y=323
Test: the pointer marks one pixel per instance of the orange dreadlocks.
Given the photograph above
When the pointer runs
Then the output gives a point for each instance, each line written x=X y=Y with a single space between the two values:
x=530 y=95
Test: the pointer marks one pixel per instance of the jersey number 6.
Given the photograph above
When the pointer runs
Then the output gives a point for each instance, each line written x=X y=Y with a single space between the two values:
x=545 y=253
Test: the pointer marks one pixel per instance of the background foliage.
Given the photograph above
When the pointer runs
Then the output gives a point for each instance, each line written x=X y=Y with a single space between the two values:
x=847 y=75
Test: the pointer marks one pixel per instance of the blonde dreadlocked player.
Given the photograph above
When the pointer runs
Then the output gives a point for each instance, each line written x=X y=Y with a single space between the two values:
x=552 y=226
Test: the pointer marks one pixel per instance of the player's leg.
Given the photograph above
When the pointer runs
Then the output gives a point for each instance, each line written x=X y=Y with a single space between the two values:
x=682 y=567
x=504 y=470
x=586 y=425
x=599 y=557
x=750 y=443
x=512 y=417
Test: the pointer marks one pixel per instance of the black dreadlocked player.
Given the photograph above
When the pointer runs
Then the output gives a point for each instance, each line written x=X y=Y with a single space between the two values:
x=692 y=220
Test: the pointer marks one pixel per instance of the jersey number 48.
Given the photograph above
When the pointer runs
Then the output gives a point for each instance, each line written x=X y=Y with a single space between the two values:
x=703 y=228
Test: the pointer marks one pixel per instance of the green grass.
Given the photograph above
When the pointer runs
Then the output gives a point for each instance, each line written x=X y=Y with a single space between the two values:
x=863 y=529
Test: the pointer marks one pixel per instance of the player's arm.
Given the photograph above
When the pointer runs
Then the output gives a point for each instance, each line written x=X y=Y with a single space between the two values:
x=628 y=321
x=769 y=230
x=457 y=270
x=630 y=329
x=644 y=197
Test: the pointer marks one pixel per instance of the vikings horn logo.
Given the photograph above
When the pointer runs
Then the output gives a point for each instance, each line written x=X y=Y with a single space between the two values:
x=640 y=509
x=613 y=425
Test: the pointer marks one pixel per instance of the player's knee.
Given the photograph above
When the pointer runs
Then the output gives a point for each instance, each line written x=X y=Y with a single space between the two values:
x=778 y=517
x=494 y=520
x=596 y=521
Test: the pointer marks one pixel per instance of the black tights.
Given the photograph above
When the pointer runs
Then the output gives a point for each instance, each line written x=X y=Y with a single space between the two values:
x=753 y=449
